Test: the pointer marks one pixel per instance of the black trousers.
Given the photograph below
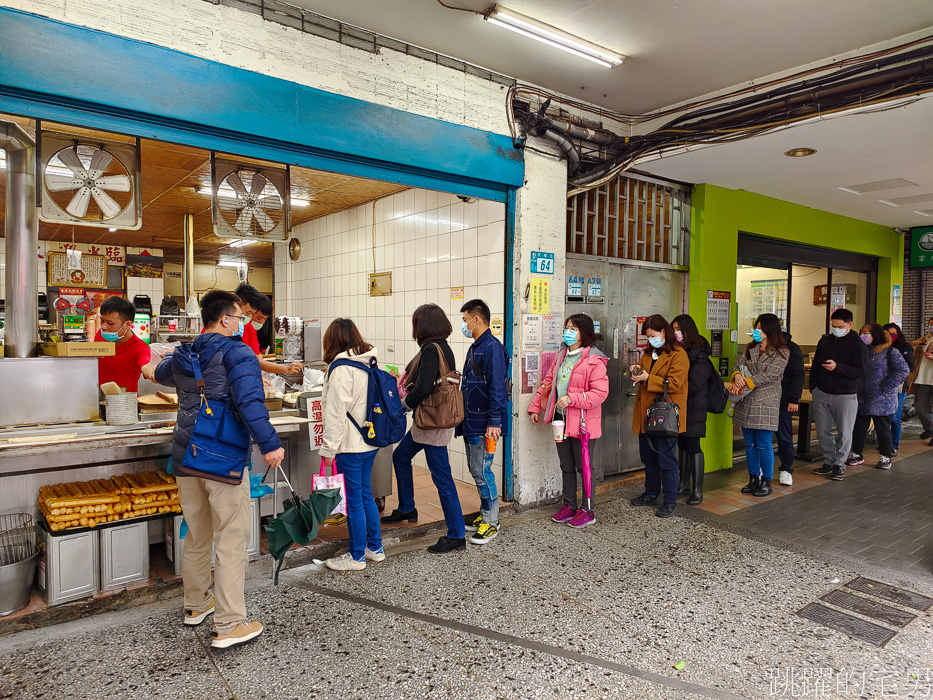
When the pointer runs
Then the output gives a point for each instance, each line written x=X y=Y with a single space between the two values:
x=688 y=445
x=882 y=430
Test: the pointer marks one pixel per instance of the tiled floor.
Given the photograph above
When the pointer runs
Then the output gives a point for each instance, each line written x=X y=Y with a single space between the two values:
x=882 y=517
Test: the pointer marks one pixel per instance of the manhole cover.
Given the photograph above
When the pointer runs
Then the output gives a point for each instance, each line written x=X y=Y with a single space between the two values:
x=869 y=608
x=908 y=599
x=847 y=624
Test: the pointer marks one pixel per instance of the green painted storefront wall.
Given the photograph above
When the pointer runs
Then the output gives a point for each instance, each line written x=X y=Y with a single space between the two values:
x=720 y=215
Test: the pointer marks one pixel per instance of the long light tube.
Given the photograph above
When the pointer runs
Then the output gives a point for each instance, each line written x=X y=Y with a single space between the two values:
x=546 y=34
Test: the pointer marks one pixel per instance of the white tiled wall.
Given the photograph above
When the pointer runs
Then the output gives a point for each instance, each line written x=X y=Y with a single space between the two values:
x=151 y=286
x=430 y=241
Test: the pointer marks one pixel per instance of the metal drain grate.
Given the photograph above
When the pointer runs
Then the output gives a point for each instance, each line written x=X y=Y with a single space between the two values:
x=847 y=624
x=908 y=599
x=869 y=608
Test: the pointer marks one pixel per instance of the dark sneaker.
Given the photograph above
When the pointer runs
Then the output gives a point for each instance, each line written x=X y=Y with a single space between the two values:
x=855 y=460
x=644 y=500
x=665 y=510
x=839 y=473
x=485 y=533
x=884 y=462
x=471 y=523
x=894 y=452
x=825 y=469
x=926 y=435
x=445 y=545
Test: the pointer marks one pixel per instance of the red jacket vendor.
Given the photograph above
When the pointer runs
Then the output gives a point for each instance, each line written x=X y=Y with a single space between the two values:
x=132 y=357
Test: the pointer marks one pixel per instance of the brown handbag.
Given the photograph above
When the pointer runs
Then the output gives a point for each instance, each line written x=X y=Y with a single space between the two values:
x=443 y=408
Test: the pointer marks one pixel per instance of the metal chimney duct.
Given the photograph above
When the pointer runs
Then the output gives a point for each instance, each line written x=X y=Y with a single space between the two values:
x=22 y=241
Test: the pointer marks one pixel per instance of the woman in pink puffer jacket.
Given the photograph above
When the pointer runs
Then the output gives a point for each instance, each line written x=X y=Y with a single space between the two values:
x=573 y=391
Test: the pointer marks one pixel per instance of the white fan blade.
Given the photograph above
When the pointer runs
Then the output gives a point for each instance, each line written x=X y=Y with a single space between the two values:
x=237 y=184
x=265 y=221
x=108 y=207
x=259 y=181
x=271 y=202
x=60 y=183
x=69 y=156
x=115 y=183
x=78 y=205
x=99 y=162
x=244 y=220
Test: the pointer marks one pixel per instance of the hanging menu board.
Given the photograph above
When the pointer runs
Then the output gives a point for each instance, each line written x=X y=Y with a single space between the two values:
x=769 y=297
x=93 y=272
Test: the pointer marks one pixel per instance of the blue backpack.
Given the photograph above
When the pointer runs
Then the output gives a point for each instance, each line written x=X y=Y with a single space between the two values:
x=385 y=422
x=219 y=448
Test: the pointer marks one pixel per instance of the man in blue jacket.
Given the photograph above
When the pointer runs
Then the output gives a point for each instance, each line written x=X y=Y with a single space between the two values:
x=216 y=507
x=485 y=403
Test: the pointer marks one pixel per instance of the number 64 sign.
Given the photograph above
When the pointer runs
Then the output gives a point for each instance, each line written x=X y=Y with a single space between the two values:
x=542 y=263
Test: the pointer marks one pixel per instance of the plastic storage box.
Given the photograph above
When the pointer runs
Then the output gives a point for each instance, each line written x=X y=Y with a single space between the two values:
x=124 y=555
x=69 y=566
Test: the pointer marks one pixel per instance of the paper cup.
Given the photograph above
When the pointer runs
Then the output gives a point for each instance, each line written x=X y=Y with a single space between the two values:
x=558 y=426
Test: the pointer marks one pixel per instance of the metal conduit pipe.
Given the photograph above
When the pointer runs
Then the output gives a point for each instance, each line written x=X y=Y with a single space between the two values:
x=22 y=240
x=187 y=272
x=579 y=132
x=564 y=144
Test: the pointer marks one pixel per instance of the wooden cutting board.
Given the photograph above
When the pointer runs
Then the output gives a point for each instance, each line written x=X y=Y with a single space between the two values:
x=157 y=401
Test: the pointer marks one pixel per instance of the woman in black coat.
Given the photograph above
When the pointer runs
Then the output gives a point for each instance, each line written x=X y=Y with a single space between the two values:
x=692 y=462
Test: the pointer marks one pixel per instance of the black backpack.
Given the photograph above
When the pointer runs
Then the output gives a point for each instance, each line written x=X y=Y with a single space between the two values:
x=717 y=398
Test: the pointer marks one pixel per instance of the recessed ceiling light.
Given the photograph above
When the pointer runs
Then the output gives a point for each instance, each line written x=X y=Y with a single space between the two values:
x=800 y=152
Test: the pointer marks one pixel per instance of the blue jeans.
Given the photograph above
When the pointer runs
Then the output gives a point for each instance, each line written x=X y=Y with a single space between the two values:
x=660 y=459
x=439 y=464
x=480 y=463
x=896 y=420
x=362 y=512
x=759 y=452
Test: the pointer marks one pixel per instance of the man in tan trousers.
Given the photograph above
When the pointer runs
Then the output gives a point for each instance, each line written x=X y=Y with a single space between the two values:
x=218 y=371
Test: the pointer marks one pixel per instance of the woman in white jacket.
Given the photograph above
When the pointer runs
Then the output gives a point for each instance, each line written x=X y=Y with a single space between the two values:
x=345 y=391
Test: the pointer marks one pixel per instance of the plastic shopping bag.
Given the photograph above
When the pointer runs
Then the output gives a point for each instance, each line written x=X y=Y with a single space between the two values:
x=334 y=481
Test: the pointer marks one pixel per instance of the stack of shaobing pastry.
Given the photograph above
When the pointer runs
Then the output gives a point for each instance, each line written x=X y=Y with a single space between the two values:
x=80 y=504
x=148 y=493
x=90 y=503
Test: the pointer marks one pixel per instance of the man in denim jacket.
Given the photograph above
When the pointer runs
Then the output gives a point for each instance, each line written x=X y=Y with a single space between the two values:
x=485 y=402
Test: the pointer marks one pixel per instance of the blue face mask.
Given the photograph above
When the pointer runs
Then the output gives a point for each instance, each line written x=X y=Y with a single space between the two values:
x=465 y=329
x=112 y=336
x=240 y=327
x=656 y=341
x=757 y=335
x=570 y=336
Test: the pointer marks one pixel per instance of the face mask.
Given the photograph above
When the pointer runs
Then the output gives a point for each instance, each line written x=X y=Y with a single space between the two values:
x=570 y=336
x=839 y=332
x=240 y=327
x=257 y=325
x=657 y=341
x=893 y=335
x=929 y=330
x=679 y=335
x=112 y=336
x=465 y=329
x=757 y=335
x=866 y=338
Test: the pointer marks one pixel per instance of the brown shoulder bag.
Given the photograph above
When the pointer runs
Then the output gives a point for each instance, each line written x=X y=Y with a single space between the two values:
x=443 y=408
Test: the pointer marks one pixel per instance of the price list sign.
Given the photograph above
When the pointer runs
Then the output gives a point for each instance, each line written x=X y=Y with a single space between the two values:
x=718 y=310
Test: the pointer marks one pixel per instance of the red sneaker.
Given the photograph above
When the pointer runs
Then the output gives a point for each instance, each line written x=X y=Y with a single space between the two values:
x=563 y=515
x=582 y=518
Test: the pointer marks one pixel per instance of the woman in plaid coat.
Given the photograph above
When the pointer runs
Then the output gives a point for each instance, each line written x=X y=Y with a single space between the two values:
x=758 y=375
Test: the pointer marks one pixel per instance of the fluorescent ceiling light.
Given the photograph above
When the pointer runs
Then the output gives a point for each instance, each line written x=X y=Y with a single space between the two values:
x=230 y=263
x=230 y=193
x=546 y=34
x=299 y=202
x=241 y=242
x=889 y=203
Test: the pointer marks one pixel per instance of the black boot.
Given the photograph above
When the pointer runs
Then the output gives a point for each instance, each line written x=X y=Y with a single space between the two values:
x=397 y=516
x=752 y=484
x=763 y=489
x=698 y=466
x=684 y=473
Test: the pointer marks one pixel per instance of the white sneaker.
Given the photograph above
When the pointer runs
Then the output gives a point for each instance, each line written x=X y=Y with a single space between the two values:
x=378 y=555
x=786 y=478
x=345 y=562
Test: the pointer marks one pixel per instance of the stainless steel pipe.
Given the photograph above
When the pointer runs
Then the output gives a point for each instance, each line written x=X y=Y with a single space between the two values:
x=22 y=242
x=187 y=272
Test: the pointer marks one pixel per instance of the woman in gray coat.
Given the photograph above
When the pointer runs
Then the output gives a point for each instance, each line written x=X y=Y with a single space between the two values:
x=758 y=375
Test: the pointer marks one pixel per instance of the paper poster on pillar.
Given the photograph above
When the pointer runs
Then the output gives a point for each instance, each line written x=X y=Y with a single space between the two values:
x=540 y=297
x=531 y=333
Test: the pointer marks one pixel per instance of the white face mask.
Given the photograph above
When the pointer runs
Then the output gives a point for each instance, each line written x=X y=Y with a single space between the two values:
x=839 y=332
x=257 y=325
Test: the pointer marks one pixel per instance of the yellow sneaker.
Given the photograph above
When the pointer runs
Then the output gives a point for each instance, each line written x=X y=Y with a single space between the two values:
x=243 y=632
x=196 y=617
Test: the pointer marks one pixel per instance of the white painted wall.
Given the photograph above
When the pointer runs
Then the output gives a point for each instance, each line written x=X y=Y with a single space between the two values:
x=541 y=212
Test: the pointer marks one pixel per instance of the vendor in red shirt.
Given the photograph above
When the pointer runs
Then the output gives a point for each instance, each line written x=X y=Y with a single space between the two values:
x=132 y=357
x=258 y=307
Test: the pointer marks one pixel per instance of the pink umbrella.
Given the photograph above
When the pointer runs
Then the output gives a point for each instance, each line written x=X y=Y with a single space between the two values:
x=585 y=465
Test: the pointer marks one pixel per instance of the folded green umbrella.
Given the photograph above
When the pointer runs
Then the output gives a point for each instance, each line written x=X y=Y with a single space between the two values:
x=299 y=522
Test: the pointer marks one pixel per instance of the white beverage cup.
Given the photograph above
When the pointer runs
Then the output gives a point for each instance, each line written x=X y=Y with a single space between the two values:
x=558 y=426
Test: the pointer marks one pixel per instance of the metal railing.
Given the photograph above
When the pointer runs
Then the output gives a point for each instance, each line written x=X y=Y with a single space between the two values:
x=632 y=218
